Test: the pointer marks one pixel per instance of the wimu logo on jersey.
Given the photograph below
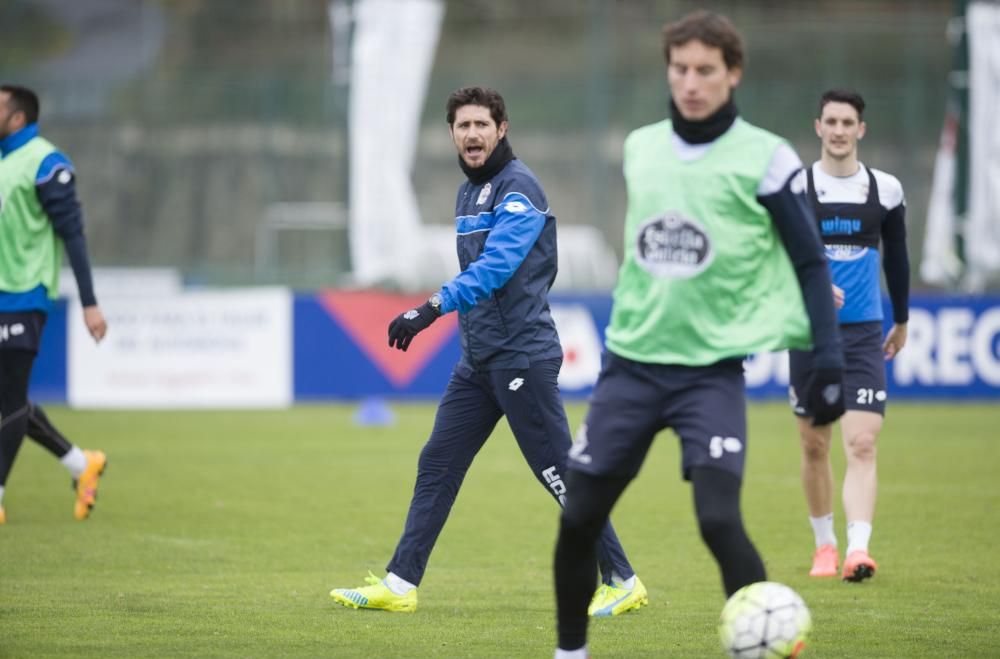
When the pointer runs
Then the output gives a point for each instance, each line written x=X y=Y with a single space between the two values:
x=671 y=245
x=840 y=226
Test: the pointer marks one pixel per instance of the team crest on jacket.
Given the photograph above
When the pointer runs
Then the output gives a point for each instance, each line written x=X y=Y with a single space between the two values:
x=671 y=245
x=484 y=194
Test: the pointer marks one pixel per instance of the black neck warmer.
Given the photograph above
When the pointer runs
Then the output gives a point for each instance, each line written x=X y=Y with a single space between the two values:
x=501 y=155
x=703 y=130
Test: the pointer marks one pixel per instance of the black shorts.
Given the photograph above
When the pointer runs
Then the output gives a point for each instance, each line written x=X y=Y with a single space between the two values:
x=632 y=402
x=864 y=370
x=21 y=330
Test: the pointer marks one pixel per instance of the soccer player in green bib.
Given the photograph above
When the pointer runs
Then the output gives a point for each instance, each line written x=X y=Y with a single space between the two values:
x=722 y=259
x=40 y=217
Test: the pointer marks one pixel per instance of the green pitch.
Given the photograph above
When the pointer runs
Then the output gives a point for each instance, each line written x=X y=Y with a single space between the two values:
x=221 y=533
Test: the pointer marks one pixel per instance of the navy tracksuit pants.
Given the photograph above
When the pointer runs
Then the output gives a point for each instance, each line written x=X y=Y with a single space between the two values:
x=469 y=410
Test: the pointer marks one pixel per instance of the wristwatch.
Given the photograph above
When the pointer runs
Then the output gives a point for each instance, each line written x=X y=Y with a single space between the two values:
x=435 y=302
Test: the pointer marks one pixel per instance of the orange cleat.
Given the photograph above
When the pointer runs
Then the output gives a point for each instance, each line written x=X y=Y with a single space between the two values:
x=86 y=485
x=858 y=566
x=825 y=561
x=3 y=516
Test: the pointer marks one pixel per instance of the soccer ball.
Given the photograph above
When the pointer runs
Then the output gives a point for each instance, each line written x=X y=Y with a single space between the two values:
x=764 y=620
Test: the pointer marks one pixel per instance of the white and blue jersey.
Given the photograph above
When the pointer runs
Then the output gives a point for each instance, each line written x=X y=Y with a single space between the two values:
x=856 y=215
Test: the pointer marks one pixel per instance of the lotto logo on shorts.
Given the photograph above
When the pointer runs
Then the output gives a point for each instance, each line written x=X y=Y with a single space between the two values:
x=719 y=446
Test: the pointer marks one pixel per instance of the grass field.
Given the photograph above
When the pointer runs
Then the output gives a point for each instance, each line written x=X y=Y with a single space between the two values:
x=221 y=533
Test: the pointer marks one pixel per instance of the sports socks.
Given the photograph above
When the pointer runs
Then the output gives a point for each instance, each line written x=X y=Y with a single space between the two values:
x=75 y=461
x=397 y=584
x=858 y=535
x=618 y=582
x=823 y=530
x=572 y=654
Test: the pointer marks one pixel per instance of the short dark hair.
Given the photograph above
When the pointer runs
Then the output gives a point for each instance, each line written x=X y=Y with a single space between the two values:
x=709 y=28
x=483 y=96
x=848 y=96
x=23 y=100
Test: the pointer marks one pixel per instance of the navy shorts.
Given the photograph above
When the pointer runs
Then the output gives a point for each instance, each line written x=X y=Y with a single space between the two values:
x=864 y=370
x=633 y=401
x=21 y=330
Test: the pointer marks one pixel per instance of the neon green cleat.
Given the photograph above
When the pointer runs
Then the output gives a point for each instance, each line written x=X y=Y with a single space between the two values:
x=610 y=600
x=376 y=595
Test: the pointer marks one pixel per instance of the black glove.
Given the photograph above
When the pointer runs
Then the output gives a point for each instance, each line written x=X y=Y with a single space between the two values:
x=407 y=325
x=825 y=396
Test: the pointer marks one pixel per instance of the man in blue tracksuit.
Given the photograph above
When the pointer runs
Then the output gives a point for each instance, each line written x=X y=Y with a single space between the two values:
x=510 y=356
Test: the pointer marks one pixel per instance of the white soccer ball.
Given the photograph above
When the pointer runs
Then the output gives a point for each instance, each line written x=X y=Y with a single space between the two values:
x=764 y=620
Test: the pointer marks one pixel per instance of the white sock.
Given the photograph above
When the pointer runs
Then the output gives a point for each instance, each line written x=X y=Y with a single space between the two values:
x=397 y=584
x=858 y=535
x=571 y=654
x=1 y=494
x=618 y=582
x=823 y=530
x=75 y=461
